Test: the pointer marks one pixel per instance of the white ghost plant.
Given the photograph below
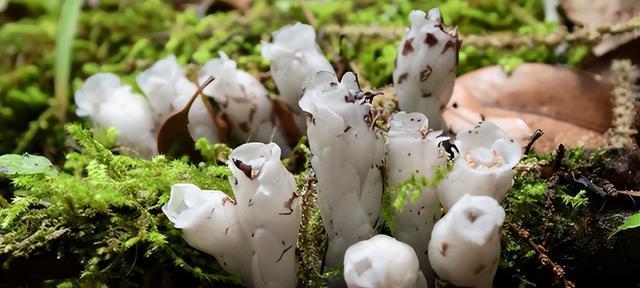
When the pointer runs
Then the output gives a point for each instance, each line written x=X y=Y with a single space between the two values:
x=253 y=236
x=268 y=210
x=295 y=57
x=465 y=244
x=414 y=150
x=382 y=262
x=109 y=103
x=348 y=151
x=483 y=165
x=425 y=67
x=244 y=101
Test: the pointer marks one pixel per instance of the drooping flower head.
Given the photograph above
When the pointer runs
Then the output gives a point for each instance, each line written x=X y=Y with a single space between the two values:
x=210 y=223
x=295 y=57
x=243 y=99
x=425 y=67
x=109 y=103
x=484 y=165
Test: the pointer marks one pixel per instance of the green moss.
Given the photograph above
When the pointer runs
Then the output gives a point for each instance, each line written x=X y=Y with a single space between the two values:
x=105 y=207
x=394 y=198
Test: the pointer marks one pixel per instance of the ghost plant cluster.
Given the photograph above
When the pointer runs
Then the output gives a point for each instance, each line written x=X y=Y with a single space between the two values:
x=253 y=235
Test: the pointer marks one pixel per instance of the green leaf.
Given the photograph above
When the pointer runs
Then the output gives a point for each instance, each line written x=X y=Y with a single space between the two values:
x=64 y=38
x=632 y=222
x=11 y=164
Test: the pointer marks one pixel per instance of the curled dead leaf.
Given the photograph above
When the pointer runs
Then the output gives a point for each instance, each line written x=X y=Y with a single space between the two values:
x=286 y=121
x=571 y=107
x=174 y=137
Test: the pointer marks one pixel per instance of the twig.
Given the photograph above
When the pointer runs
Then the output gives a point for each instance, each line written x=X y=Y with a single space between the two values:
x=550 y=194
x=308 y=14
x=549 y=208
x=534 y=137
x=558 y=270
x=622 y=132
x=502 y=39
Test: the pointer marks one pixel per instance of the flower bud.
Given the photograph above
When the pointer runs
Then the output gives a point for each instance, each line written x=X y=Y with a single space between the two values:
x=425 y=67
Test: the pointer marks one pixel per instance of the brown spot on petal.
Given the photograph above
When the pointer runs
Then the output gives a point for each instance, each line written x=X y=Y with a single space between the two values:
x=479 y=268
x=287 y=205
x=245 y=168
x=347 y=129
x=424 y=74
x=229 y=200
x=426 y=95
x=252 y=112
x=245 y=127
x=458 y=45
x=350 y=98
x=407 y=47
x=403 y=77
x=431 y=40
x=450 y=44
x=443 y=249
x=284 y=251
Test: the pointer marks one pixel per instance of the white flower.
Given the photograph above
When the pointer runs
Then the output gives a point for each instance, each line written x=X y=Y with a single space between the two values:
x=426 y=66
x=268 y=211
x=109 y=103
x=348 y=151
x=243 y=100
x=209 y=223
x=465 y=244
x=168 y=90
x=414 y=150
x=483 y=166
x=382 y=262
x=294 y=57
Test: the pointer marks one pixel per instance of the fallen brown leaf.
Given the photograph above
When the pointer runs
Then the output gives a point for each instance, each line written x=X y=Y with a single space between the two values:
x=571 y=107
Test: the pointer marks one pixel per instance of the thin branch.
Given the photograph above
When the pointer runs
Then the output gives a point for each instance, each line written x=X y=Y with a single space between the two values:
x=558 y=270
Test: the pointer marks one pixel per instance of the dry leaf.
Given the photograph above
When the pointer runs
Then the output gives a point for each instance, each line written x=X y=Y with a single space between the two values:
x=286 y=122
x=174 y=137
x=571 y=107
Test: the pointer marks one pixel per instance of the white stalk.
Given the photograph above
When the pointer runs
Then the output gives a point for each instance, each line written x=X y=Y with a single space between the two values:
x=425 y=67
x=382 y=262
x=294 y=57
x=243 y=100
x=414 y=150
x=484 y=165
x=168 y=91
x=348 y=151
x=465 y=244
x=268 y=210
x=109 y=103
x=210 y=223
